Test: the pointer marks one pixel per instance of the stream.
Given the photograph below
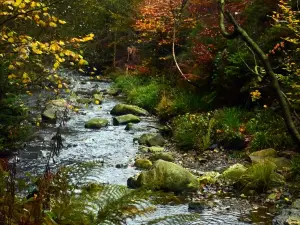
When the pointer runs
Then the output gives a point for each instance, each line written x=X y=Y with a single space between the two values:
x=111 y=145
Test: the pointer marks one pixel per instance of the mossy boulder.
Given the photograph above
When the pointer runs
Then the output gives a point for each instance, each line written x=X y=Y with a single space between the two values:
x=155 y=149
x=270 y=155
x=270 y=152
x=143 y=163
x=129 y=126
x=84 y=101
x=210 y=177
x=98 y=97
x=122 y=109
x=113 y=91
x=234 y=173
x=151 y=139
x=96 y=123
x=162 y=155
x=53 y=110
x=125 y=119
x=167 y=176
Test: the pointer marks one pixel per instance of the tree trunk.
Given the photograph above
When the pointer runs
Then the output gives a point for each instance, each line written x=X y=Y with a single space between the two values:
x=240 y=32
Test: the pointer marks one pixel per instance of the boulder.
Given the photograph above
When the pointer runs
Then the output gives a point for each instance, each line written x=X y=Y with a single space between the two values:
x=53 y=109
x=113 y=91
x=122 y=109
x=151 y=139
x=98 y=97
x=155 y=149
x=129 y=126
x=125 y=119
x=166 y=176
x=84 y=101
x=96 y=123
x=234 y=173
x=289 y=216
x=162 y=155
x=209 y=177
x=143 y=148
x=270 y=152
x=269 y=155
x=143 y=163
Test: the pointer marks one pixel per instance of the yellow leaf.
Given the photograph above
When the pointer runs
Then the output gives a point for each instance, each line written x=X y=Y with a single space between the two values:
x=59 y=86
x=83 y=62
x=62 y=21
x=25 y=76
x=11 y=40
x=51 y=24
x=97 y=102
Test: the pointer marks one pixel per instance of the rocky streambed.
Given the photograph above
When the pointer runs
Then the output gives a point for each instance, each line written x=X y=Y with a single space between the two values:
x=118 y=140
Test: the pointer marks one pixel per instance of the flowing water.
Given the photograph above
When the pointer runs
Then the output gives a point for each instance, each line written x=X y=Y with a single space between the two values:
x=112 y=145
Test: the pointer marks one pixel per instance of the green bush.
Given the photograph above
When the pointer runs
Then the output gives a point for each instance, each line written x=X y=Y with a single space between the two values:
x=193 y=131
x=127 y=82
x=268 y=130
x=261 y=177
x=146 y=96
x=296 y=165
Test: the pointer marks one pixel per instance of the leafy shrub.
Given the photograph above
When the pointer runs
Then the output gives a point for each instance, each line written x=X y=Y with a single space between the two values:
x=230 y=128
x=261 y=177
x=193 y=130
x=296 y=165
x=127 y=83
x=268 y=130
x=146 y=96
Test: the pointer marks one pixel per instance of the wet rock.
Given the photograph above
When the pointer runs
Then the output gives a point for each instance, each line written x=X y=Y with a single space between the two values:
x=289 y=216
x=113 y=91
x=125 y=119
x=270 y=152
x=122 y=109
x=166 y=176
x=143 y=163
x=151 y=139
x=272 y=197
x=132 y=181
x=121 y=166
x=234 y=173
x=84 y=101
x=129 y=126
x=197 y=206
x=143 y=149
x=98 y=97
x=270 y=156
x=96 y=123
x=209 y=177
x=53 y=109
x=162 y=155
x=155 y=149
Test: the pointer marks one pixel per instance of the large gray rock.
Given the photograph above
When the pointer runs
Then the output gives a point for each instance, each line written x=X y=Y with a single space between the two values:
x=96 y=123
x=151 y=139
x=53 y=110
x=289 y=216
x=125 y=119
x=166 y=176
x=122 y=109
